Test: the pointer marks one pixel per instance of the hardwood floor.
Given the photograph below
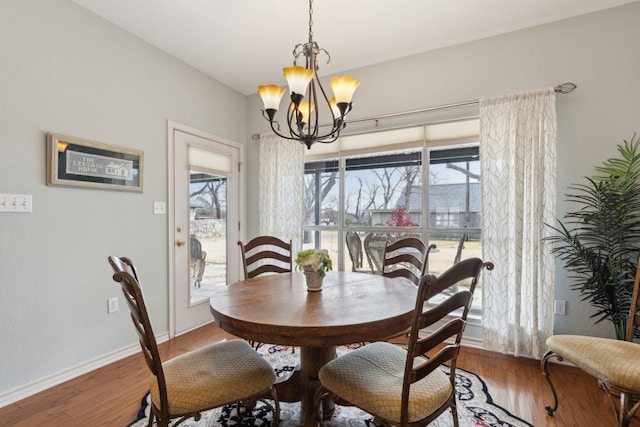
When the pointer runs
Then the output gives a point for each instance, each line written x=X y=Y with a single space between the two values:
x=110 y=396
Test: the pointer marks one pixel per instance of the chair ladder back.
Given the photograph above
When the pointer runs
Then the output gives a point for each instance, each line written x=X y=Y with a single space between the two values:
x=260 y=251
x=446 y=354
x=406 y=258
x=403 y=272
x=354 y=246
x=266 y=255
x=398 y=255
x=267 y=240
x=147 y=344
x=374 y=249
x=634 y=316
x=458 y=256
x=126 y=275
x=267 y=269
x=429 y=286
x=438 y=312
x=420 y=346
x=469 y=268
x=425 y=267
x=453 y=328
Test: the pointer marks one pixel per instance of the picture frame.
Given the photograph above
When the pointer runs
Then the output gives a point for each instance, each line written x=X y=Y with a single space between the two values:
x=78 y=162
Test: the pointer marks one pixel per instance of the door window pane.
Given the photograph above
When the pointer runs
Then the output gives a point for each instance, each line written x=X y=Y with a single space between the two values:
x=208 y=234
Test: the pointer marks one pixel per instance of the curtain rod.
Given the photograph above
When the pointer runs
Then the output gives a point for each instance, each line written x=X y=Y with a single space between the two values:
x=562 y=89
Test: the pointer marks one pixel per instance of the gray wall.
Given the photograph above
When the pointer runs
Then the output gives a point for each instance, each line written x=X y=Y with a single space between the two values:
x=64 y=70
x=598 y=52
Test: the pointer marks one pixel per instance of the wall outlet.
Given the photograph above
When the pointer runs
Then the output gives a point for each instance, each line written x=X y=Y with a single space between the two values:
x=560 y=307
x=112 y=305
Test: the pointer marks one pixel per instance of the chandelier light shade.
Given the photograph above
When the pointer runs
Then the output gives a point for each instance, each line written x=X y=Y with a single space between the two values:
x=271 y=96
x=305 y=89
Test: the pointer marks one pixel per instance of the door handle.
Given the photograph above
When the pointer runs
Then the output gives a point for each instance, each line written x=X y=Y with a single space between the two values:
x=180 y=242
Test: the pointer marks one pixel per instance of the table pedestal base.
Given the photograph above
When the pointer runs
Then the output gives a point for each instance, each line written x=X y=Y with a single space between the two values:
x=302 y=385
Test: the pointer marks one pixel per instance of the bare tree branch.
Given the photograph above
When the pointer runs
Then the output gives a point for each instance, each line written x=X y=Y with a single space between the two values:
x=463 y=170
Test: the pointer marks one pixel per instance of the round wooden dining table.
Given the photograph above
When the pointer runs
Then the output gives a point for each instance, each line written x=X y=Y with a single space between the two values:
x=278 y=309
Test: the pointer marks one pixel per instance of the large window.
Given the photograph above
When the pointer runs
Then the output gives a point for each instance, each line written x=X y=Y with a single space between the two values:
x=426 y=189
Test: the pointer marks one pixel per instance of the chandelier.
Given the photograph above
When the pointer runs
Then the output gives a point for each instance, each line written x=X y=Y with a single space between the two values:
x=304 y=85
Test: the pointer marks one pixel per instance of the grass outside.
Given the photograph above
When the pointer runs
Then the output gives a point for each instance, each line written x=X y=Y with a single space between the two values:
x=439 y=260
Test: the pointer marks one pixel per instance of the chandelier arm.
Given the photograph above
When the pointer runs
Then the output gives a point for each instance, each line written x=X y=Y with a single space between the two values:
x=326 y=52
x=326 y=99
x=297 y=53
x=293 y=122
x=276 y=130
x=334 y=137
x=313 y=98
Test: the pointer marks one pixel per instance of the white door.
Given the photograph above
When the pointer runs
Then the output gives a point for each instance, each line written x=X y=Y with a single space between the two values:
x=204 y=207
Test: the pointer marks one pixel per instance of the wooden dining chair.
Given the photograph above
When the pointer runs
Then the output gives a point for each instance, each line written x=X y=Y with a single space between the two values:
x=374 y=249
x=216 y=375
x=406 y=258
x=266 y=254
x=408 y=387
x=458 y=256
x=356 y=254
x=614 y=363
x=197 y=260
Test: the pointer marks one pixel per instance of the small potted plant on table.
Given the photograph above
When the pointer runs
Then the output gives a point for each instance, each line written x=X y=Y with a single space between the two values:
x=315 y=263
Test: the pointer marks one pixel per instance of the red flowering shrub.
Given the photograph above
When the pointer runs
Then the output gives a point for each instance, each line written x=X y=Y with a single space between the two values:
x=400 y=218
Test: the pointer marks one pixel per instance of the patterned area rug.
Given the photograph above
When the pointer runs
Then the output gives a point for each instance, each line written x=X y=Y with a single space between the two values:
x=475 y=405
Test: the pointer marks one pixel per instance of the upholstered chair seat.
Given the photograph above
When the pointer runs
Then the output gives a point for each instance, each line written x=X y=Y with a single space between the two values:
x=375 y=379
x=213 y=376
x=614 y=362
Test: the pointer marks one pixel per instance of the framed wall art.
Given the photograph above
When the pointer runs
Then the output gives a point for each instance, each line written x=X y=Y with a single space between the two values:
x=76 y=162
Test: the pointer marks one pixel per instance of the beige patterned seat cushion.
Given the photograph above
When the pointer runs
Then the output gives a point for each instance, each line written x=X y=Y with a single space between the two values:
x=371 y=378
x=615 y=362
x=213 y=376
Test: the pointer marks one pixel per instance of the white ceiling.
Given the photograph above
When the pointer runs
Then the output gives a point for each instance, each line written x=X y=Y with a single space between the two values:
x=245 y=43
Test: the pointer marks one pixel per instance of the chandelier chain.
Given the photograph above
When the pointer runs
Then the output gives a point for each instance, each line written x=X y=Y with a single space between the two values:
x=310 y=21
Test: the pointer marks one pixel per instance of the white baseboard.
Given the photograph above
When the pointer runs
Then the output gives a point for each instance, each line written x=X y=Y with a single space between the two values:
x=29 y=389
x=472 y=342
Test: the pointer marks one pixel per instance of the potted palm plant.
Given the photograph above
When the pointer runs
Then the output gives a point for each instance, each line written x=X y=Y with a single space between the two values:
x=599 y=241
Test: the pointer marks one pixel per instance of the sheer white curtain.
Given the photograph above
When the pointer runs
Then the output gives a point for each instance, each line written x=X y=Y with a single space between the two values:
x=518 y=160
x=281 y=188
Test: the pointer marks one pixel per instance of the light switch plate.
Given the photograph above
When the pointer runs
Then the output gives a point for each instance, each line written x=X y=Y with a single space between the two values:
x=15 y=203
x=159 y=208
